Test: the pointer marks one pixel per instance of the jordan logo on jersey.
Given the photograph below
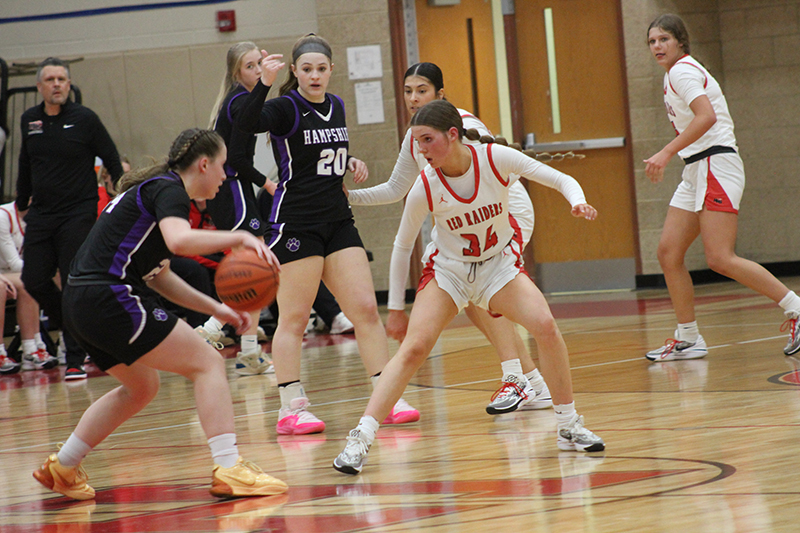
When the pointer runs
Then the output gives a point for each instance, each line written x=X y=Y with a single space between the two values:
x=325 y=135
x=442 y=199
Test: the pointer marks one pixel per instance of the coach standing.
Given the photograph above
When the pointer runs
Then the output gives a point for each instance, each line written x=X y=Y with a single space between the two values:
x=57 y=180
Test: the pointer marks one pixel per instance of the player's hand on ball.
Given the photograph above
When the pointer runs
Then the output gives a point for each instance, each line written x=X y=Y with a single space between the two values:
x=584 y=211
x=397 y=325
x=260 y=247
x=238 y=319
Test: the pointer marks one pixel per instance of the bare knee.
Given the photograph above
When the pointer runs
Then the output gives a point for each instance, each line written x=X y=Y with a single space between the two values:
x=363 y=311
x=293 y=324
x=545 y=330
x=413 y=353
x=668 y=257
x=207 y=361
x=720 y=263
x=144 y=392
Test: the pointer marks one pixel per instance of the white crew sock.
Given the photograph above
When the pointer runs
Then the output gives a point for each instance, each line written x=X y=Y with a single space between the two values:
x=29 y=346
x=39 y=342
x=536 y=379
x=250 y=344
x=512 y=367
x=565 y=414
x=688 y=332
x=290 y=392
x=213 y=325
x=73 y=451
x=368 y=427
x=224 y=450
x=791 y=305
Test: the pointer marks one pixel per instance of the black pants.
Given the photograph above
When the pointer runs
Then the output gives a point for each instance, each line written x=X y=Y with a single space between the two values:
x=199 y=277
x=50 y=245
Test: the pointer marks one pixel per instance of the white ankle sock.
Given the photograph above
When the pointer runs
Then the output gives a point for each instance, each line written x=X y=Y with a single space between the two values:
x=73 y=451
x=688 y=332
x=290 y=392
x=224 y=450
x=368 y=427
x=536 y=379
x=565 y=414
x=512 y=367
x=213 y=325
x=790 y=304
x=29 y=346
x=250 y=344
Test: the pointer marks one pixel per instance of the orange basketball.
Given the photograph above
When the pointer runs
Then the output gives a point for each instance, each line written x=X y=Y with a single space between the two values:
x=245 y=281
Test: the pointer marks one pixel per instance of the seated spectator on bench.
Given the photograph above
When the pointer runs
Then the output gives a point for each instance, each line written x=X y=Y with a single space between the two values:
x=34 y=352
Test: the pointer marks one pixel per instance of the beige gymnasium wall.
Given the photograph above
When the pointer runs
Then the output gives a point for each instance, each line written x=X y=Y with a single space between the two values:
x=150 y=78
x=751 y=47
x=151 y=74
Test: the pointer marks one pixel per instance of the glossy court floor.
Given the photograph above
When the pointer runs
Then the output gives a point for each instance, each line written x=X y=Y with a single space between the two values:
x=706 y=445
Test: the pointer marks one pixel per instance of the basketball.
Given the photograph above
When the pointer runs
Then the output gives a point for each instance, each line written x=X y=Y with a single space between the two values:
x=245 y=281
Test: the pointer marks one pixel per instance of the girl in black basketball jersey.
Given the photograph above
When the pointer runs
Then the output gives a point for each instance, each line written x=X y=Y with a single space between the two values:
x=234 y=207
x=311 y=224
x=129 y=336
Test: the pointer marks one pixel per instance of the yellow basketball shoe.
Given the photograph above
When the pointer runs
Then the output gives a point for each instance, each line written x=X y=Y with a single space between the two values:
x=244 y=479
x=67 y=480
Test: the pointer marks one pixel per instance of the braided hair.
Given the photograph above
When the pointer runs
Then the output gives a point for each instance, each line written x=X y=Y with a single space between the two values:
x=187 y=148
x=442 y=115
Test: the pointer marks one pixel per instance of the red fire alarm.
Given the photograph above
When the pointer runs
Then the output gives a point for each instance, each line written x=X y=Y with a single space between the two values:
x=226 y=20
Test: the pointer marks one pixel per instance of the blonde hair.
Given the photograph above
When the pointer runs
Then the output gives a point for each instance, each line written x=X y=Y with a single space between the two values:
x=234 y=63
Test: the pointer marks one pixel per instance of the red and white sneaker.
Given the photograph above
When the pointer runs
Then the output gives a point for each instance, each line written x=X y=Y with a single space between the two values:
x=8 y=365
x=296 y=420
x=38 y=360
x=402 y=413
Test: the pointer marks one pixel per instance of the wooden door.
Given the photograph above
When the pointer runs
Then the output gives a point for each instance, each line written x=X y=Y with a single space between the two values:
x=592 y=94
x=459 y=39
x=565 y=253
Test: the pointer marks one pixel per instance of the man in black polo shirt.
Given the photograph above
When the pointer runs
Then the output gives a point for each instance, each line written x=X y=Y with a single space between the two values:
x=57 y=181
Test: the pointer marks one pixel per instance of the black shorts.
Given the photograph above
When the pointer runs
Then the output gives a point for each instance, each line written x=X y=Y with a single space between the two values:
x=115 y=323
x=291 y=242
x=234 y=207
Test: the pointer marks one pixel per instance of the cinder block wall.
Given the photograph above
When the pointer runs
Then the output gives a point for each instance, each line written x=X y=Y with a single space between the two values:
x=150 y=75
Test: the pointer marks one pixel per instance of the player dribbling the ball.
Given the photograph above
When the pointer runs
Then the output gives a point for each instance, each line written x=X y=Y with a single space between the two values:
x=131 y=337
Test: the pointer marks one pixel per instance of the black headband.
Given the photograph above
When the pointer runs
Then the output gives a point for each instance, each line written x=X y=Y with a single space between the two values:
x=311 y=47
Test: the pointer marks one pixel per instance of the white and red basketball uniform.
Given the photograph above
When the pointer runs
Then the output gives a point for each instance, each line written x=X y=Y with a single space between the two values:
x=476 y=249
x=12 y=236
x=714 y=174
x=409 y=165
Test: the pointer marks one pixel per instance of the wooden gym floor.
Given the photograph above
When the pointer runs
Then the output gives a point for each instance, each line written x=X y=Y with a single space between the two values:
x=703 y=445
